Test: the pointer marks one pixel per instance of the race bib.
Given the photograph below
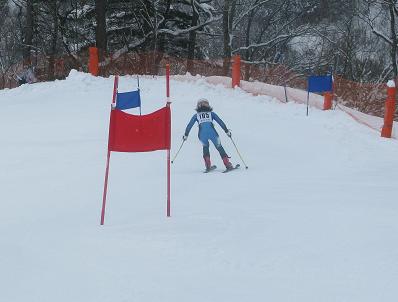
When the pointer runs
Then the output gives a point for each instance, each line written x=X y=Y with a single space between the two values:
x=204 y=117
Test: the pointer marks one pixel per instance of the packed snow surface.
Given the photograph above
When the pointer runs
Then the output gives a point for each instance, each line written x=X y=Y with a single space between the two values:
x=314 y=218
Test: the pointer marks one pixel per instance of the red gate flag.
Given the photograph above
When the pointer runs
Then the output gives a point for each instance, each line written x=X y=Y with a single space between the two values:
x=140 y=133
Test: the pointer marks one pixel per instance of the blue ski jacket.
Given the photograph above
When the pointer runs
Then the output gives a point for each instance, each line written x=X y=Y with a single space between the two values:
x=206 y=127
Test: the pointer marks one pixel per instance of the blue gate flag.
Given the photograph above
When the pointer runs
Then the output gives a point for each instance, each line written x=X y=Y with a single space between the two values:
x=320 y=83
x=127 y=100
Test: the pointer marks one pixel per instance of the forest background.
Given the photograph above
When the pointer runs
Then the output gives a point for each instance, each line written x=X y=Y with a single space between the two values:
x=280 y=41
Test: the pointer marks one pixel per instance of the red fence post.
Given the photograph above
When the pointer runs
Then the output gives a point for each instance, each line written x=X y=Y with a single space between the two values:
x=236 y=71
x=389 y=110
x=327 y=100
x=93 y=61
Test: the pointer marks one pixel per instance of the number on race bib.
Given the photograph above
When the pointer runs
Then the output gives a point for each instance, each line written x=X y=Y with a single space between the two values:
x=204 y=117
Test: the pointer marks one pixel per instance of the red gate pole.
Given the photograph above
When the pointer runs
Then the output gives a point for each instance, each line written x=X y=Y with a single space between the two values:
x=236 y=71
x=93 y=61
x=168 y=81
x=389 y=110
x=115 y=86
x=168 y=150
x=168 y=184
x=105 y=188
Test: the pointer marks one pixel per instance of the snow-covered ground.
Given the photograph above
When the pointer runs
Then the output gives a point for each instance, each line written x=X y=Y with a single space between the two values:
x=314 y=218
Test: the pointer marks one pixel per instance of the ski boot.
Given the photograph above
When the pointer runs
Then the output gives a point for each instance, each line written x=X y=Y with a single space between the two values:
x=208 y=165
x=227 y=163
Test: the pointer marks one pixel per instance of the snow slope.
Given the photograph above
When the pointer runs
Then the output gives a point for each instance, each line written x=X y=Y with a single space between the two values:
x=314 y=218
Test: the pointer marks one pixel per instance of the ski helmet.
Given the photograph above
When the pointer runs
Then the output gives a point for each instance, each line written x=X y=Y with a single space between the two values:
x=203 y=103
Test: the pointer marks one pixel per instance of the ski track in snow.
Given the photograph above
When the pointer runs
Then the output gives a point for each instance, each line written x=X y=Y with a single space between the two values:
x=314 y=218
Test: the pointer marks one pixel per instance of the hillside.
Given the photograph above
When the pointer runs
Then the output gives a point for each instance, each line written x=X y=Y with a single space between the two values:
x=314 y=218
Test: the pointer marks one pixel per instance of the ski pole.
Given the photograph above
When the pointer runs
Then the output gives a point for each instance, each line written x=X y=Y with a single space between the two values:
x=175 y=156
x=239 y=153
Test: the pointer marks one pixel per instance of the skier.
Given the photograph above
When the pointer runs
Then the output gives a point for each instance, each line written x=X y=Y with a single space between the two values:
x=27 y=76
x=205 y=117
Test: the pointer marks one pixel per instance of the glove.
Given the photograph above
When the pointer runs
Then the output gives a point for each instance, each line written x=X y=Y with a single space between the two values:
x=184 y=138
x=229 y=133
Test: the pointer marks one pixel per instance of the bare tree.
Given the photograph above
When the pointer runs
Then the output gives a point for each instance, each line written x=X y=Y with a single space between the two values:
x=192 y=37
x=381 y=17
x=229 y=10
x=10 y=44
x=28 y=32
x=53 y=9
x=100 y=30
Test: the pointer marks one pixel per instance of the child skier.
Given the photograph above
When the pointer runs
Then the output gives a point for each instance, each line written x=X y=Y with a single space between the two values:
x=205 y=117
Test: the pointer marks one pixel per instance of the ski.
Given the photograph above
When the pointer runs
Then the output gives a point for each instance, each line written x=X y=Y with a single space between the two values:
x=233 y=168
x=212 y=168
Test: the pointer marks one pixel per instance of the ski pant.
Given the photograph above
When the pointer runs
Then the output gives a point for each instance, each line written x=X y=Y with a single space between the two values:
x=215 y=139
